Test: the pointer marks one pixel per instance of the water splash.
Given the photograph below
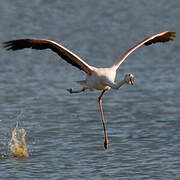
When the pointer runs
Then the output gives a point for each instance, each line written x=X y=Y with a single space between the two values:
x=17 y=143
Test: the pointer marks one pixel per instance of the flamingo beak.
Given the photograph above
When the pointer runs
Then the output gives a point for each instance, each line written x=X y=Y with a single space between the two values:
x=132 y=81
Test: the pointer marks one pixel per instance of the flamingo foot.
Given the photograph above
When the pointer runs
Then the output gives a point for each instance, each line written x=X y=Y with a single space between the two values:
x=106 y=143
x=70 y=90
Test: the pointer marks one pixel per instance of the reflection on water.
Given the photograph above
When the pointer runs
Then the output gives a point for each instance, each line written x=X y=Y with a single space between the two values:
x=17 y=144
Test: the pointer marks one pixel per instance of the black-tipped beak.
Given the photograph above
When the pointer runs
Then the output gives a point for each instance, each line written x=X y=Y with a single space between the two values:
x=132 y=82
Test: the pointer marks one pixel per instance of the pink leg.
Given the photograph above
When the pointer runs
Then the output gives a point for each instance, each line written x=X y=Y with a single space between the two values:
x=104 y=126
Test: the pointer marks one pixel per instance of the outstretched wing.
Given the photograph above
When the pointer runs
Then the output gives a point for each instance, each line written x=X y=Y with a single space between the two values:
x=41 y=44
x=161 y=37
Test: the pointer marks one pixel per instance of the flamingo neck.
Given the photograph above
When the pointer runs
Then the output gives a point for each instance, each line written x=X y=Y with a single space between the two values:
x=120 y=84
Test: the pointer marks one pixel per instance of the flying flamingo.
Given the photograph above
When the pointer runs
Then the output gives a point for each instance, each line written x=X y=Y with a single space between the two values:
x=96 y=78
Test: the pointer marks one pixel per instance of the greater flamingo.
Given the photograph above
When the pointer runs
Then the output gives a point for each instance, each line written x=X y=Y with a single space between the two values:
x=96 y=78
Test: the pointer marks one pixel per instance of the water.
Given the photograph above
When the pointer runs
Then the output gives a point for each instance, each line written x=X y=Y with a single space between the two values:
x=64 y=134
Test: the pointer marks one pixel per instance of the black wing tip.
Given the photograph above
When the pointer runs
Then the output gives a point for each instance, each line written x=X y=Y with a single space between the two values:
x=15 y=44
x=163 y=37
x=7 y=45
x=10 y=45
x=172 y=32
x=171 y=35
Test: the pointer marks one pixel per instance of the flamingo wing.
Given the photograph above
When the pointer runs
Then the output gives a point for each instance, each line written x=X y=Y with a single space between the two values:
x=41 y=44
x=161 y=37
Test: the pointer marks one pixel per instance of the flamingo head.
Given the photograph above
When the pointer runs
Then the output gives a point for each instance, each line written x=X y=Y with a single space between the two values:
x=129 y=79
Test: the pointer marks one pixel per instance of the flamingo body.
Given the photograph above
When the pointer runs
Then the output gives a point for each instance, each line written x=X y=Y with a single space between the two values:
x=99 y=77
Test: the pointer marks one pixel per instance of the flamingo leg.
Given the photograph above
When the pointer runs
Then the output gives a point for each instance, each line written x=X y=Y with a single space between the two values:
x=102 y=116
x=78 y=91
